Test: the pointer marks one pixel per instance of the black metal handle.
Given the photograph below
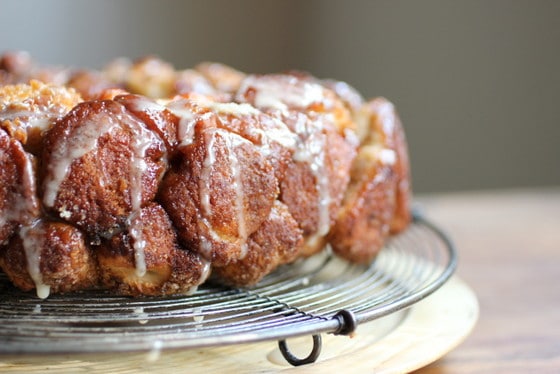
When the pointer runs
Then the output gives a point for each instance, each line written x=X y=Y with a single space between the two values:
x=295 y=361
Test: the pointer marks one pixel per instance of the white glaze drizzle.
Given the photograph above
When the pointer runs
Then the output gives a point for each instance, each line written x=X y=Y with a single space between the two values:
x=135 y=227
x=281 y=92
x=232 y=141
x=32 y=239
x=288 y=92
x=241 y=109
x=276 y=131
x=239 y=192
x=204 y=274
x=143 y=104
x=140 y=315
x=312 y=151
x=83 y=140
x=279 y=133
x=187 y=121
x=388 y=156
x=205 y=244
x=386 y=114
x=377 y=152
x=318 y=167
x=141 y=141
x=206 y=173
x=29 y=119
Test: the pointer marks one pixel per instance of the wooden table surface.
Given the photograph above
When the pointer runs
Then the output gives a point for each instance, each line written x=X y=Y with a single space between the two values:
x=509 y=254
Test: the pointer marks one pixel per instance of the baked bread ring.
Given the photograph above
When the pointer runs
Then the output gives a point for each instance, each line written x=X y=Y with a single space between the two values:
x=147 y=180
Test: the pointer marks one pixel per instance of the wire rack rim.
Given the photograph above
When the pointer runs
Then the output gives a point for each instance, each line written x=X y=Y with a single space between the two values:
x=279 y=320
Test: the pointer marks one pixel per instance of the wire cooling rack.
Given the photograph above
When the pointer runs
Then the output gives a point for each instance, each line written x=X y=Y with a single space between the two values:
x=322 y=294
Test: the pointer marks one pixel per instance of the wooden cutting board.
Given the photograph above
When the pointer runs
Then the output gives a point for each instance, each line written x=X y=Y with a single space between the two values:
x=401 y=342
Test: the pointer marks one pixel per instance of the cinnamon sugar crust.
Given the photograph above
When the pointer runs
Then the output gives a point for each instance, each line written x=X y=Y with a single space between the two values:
x=143 y=179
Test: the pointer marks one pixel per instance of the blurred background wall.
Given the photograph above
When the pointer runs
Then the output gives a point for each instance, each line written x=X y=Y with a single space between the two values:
x=477 y=82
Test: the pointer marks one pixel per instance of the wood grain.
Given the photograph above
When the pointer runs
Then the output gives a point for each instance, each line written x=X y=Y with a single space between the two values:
x=509 y=246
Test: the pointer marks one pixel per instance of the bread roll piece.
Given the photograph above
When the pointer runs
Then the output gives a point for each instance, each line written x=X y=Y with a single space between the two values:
x=50 y=257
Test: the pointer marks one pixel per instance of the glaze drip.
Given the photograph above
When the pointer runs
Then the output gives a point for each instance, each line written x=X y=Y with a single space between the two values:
x=79 y=142
x=312 y=152
x=239 y=192
x=142 y=140
x=32 y=237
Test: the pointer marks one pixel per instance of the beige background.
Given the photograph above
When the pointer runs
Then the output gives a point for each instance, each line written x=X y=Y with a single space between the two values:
x=477 y=82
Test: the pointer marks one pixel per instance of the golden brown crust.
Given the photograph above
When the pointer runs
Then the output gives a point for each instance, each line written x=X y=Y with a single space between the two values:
x=276 y=242
x=19 y=67
x=313 y=191
x=29 y=110
x=169 y=268
x=241 y=173
x=151 y=77
x=97 y=161
x=222 y=77
x=190 y=80
x=18 y=63
x=377 y=200
x=18 y=191
x=268 y=133
x=220 y=193
x=363 y=222
x=156 y=117
x=65 y=262
x=318 y=173
x=387 y=131
x=91 y=84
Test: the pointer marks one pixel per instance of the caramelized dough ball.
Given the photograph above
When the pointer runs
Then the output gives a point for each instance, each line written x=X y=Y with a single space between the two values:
x=18 y=64
x=251 y=171
x=276 y=242
x=51 y=257
x=91 y=84
x=290 y=92
x=363 y=222
x=377 y=201
x=220 y=192
x=29 y=110
x=224 y=78
x=100 y=164
x=156 y=117
x=157 y=267
x=18 y=192
x=386 y=131
x=117 y=70
x=109 y=94
x=192 y=81
x=151 y=77
x=18 y=67
x=5 y=78
x=348 y=94
x=272 y=137
x=316 y=180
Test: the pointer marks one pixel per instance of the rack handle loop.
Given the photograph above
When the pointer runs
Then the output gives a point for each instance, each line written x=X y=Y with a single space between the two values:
x=295 y=361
